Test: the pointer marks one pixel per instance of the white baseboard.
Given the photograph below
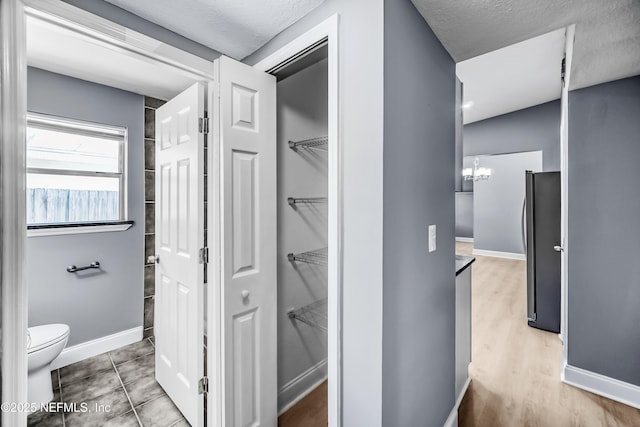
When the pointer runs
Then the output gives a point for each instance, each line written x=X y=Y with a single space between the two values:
x=299 y=387
x=452 y=419
x=497 y=254
x=613 y=389
x=464 y=239
x=95 y=347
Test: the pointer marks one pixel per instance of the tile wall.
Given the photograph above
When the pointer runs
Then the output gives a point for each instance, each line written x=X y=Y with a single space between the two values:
x=149 y=228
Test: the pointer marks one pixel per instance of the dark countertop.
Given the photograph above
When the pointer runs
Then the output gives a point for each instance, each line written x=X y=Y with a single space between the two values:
x=463 y=262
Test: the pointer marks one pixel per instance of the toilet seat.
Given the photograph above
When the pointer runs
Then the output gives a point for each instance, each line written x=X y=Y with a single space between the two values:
x=46 y=335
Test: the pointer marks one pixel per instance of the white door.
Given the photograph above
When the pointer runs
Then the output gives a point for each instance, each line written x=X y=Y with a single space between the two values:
x=179 y=236
x=247 y=138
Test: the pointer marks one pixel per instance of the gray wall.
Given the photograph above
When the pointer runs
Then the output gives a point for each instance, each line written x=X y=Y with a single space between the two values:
x=604 y=229
x=531 y=129
x=101 y=303
x=360 y=49
x=419 y=287
x=498 y=201
x=302 y=114
x=464 y=214
x=120 y=16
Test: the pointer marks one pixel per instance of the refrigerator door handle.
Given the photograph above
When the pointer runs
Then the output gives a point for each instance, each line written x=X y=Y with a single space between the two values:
x=523 y=229
x=528 y=238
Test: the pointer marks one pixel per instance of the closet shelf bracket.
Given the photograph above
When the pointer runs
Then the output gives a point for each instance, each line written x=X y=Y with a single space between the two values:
x=318 y=143
x=318 y=257
x=305 y=200
x=314 y=314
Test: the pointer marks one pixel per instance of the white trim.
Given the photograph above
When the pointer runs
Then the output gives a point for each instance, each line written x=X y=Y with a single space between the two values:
x=40 y=232
x=328 y=29
x=498 y=254
x=452 y=419
x=464 y=239
x=613 y=389
x=564 y=187
x=215 y=338
x=13 y=111
x=299 y=387
x=465 y=387
x=311 y=37
x=95 y=347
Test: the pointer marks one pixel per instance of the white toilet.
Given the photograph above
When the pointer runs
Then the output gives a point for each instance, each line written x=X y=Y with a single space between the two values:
x=45 y=343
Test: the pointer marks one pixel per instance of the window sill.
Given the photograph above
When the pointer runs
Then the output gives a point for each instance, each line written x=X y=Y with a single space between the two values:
x=80 y=228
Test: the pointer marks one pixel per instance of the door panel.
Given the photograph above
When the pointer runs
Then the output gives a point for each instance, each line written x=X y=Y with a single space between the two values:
x=248 y=235
x=245 y=381
x=244 y=225
x=179 y=237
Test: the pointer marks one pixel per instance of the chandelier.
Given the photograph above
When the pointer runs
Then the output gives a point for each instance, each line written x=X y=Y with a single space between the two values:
x=476 y=173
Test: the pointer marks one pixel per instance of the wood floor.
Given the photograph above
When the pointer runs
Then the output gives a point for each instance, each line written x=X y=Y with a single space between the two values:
x=309 y=412
x=515 y=372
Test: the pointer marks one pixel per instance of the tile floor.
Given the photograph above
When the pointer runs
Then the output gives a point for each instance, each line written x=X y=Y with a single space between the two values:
x=123 y=379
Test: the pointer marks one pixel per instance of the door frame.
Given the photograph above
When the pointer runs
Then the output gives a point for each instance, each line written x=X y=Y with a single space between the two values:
x=564 y=196
x=13 y=86
x=327 y=30
x=13 y=231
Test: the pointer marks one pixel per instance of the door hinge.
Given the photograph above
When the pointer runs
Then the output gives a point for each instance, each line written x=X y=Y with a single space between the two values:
x=204 y=255
x=203 y=385
x=563 y=69
x=203 y=125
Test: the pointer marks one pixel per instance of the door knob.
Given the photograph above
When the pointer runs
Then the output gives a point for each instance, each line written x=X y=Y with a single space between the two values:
x=558 y=248
x=245 y=294
x=153 y=259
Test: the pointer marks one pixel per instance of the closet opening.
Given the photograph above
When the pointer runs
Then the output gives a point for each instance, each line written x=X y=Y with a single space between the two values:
x=302 y=230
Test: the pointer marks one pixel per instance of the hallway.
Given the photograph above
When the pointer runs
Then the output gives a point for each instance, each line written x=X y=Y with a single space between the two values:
x=515 y=372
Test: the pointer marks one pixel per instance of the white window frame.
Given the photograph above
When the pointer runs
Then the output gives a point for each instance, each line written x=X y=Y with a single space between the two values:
x=90 y=129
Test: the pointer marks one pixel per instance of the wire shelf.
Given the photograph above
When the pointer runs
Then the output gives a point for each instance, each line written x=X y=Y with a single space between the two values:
x=318 y=257
x=305 y=200
x=318 y=143
x=314 y=314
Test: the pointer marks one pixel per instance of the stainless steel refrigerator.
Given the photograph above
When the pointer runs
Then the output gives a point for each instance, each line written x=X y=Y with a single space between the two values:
x=541 y=233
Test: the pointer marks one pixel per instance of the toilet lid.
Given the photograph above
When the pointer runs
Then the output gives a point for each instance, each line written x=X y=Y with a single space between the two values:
x=46 y=335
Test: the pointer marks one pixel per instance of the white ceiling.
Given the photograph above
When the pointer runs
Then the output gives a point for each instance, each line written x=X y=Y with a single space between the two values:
x=514 y=77
x=235 y=28
x=607 y=41
x=60 y=50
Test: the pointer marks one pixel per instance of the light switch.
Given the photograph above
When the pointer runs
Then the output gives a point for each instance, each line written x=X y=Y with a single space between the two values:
x=432 y=238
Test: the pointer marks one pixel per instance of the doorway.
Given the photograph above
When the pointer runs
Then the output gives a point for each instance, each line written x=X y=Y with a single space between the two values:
x=198 y=71
x=313 y=55
x=302 y=118
x=78 y=75
x=509 y=129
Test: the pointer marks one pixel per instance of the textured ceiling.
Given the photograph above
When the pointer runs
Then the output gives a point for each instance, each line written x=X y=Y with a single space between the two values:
x=607 y=39
x=235 y=28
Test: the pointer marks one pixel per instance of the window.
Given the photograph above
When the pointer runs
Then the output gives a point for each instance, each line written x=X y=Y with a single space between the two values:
x=75 y=172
